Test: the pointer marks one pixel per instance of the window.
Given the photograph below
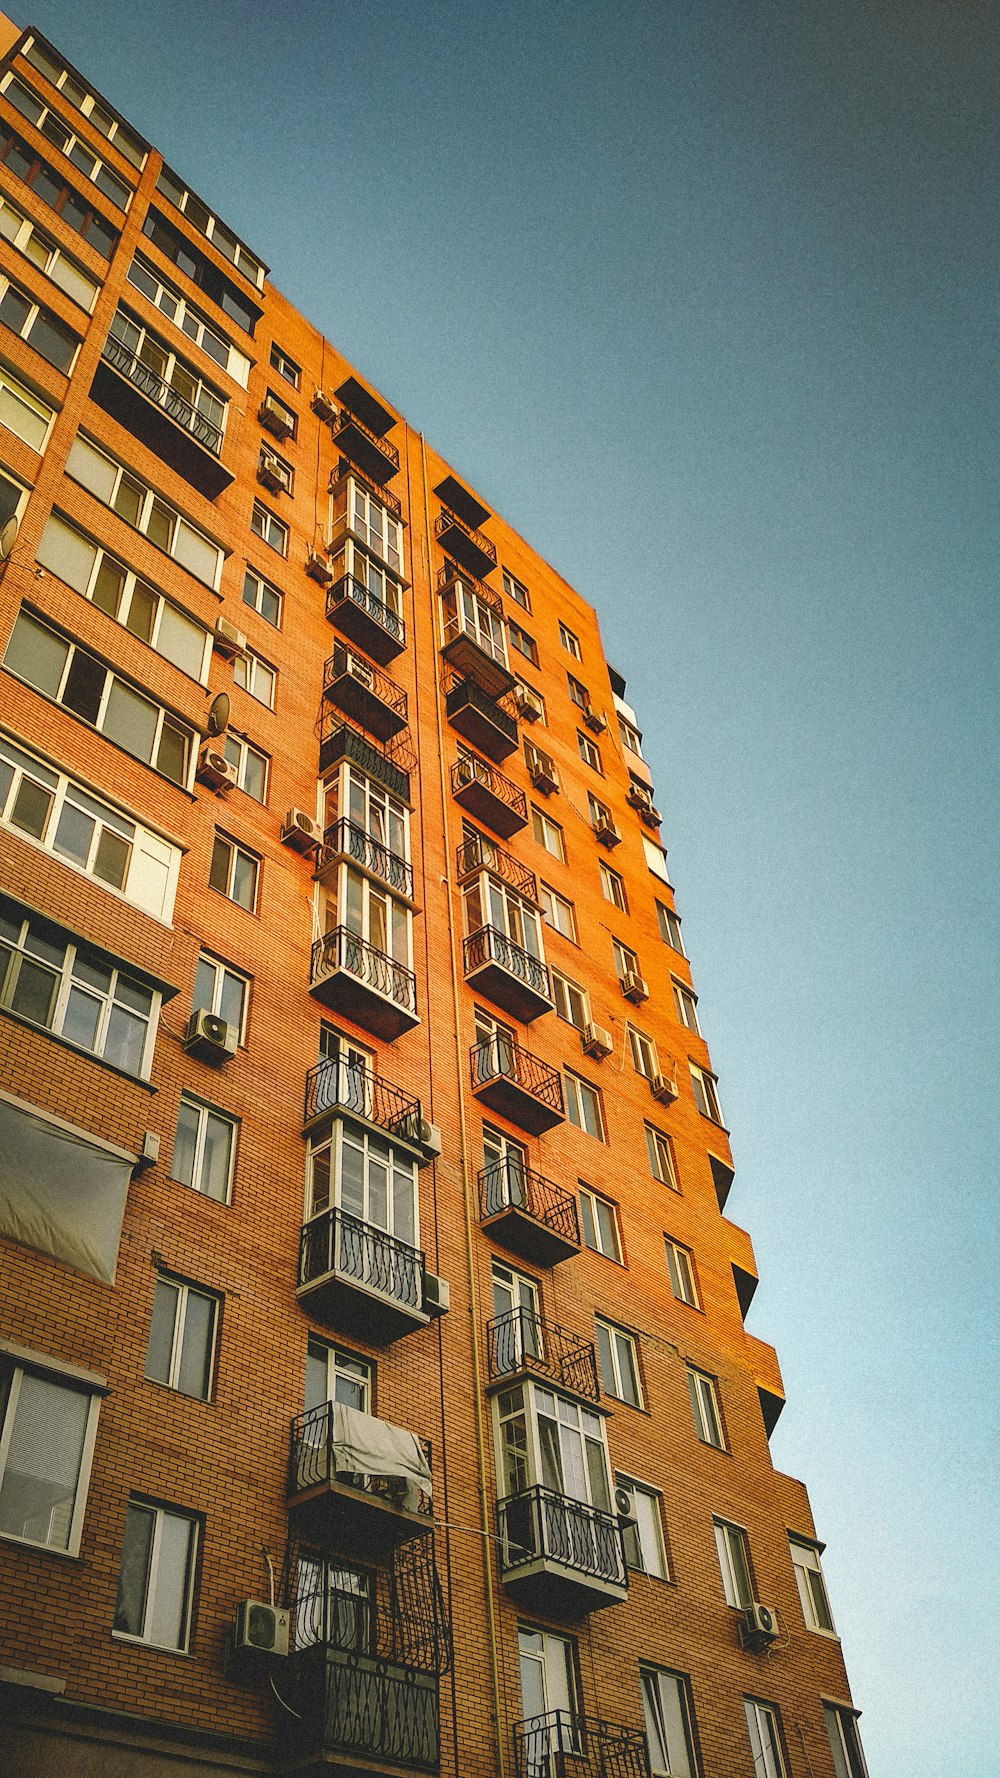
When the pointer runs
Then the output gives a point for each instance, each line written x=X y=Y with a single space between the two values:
x=374 y=586
x=518 y=1334
x=524 y=643
x=251 y=765
x=233 y=872
x=220 y=990
x=279 y=410
x=583 y=1105
x=630 y=737
x=626 y=961
x=169 y=380
x=488 y=902
x=812 y=1587
x=156 y=1577
x=144 y=277
x=642 y=1049
x=644 y=1532
x=548 y=833
x=599 y=1223
x=335 y=1375
x=256 y=677
x=670 y=927
x=215 y=231
x=285 y=366
x=680 y=1266
x=123 y=596
x=845 y=1742
x=516 y=590
x=552 y=1441
x=25 y=100
x=204 y=1147
x=372 y=812
x=274 y=471
x=47 y=1430
x=465 y=611
x=618 y=1362
x=364 y=909
x=686 y=1005
x=765 y=1739
x=22 y=413
x=75 y=991
x=37 y=327
x=182 y=1337
x=590 y=753
x=359 y=1172
x=505 y=1165
x=704 y=1393
x=667 y=1714
x=374 y=526
x=332 y=1604
x=572 y=1003
x=734 y=1563
x=661 y=1158
x=656 y=858
x=63 y=199
x=527 y=693
x=548 y=1696
x=557 y=912
x=270 y=530
x=613 y=887
x=135 y=502
x=579 y=693
x=85 y=832
x=705 y=1096
x=27 y=238
x=570 y=642
x=600 y=815
x=199 y=269
x=262 y=597
x=58 y=75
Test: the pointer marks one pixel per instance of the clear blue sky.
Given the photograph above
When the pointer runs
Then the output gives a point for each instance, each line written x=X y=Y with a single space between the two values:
x=701 y=295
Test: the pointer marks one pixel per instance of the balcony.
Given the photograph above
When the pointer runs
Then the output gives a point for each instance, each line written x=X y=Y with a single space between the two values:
x=527 y=1214
x=390 y=766
x=352 y=977
x=471 y=549
x=517 y=1084
x=480 y=853
x=369 y=697
x=358 y=1481
x=564 y=1745
x=374 y=456
x=338 y=486
x=488 y=795
x=522 y=1343
x=507 y=974
x=339 y=1088
x=160 y=417
x=482 y=720
x=346 y=840
x=356 y=1277
x=559 y=1556
x=365 y=619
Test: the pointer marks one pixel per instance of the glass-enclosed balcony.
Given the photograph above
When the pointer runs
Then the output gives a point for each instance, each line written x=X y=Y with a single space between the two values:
x=563 y=1744
x=353 y=977
x=517 y=1084
x=474 y=633
x=358 y=1480
x=507 y=974
x=560 y=1556
x=346 y=840
x=364 y=693
x=487 y=723
x=524 y=1342
x=488 y=795
x=354 y=1275
x=529 y=1215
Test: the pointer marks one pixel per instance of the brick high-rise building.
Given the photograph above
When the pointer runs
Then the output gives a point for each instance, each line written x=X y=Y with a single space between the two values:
x=374 y=1388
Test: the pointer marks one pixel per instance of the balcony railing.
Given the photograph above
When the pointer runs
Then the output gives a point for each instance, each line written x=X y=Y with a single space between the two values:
x=390 y=763
x=481 y=853
x=507 y=974
x=365 y=618
x=363 y=692
x=561 y=1743
x=472 y=549
x=345 y=839
x=329 y=1494
x=486 y=721
x=349 y=1087
x=450 y=574
x=531 y=1215
x=163 y=394
x=354 y=1712
x=584 y=1544
x=357 y=1252
x=356 y=978
x=523 y=1340
x=517 y=1083
x=378 y=458
x=488 y=795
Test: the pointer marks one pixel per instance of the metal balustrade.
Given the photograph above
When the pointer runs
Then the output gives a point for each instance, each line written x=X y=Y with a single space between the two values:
x=523 y=1340
x=500 y=1058
x=540 y=1524
x=384 y=496
x=508 y=1184
x=482 y=853
x=174 y=405
x=451 y=574
x=562 y=1742
x=313 y=1462
x=350 y=589
x=470 y=547
x=338 y=1085
x=365 y=693
x=389 y=762
x=376 y=455
x=488 y=795
x=342 y=949
x=345 y=839
x=490 y=945
x=355 y=1250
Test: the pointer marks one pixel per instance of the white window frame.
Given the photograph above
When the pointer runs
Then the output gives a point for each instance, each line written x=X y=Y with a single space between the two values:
x=666 y=1707
x=78 y=152
x=265 y=525
x=489 y=901
x=24 y=331
x=553 y=903
x=649 y=1542
x=29 y=239
x=352 y=562
x=178 y=194
x=285 y=366
x=681 y=1272
x=630 y=737
x=217 y=999
x=22 y=399
x=613 y=887
x=576 y=1090
x=732 y=1547
x=570 y=641
x=706 y=1409
x=764 y=1730
x=517 y=636
x=400 y=1167
x=706 y=1097
x=544 y=831
x=605 y=1229
x=183 y=1295
x=658 y=1143
x=149 y=502
x=236 y=852
x=66 y=983
x=589 y=752
x=686 y=1004
x=618 y=1362
x=57 y=1378
x=670 y=928
x=160 y=1514
x=261 y=585
x=241 y=753
x=521 y=595
x=363 y=907
x=256 y=676
x=128 y=144
x=811 y=1583
x=626 y=961
x=352 y=796
x=520 y=1465
x=579 y=695
x=340 y=1365
x=572 y=1002
x=845 y=1742
x=642 y=1050
x=191 y=322
x=377 y=529
x=269 y=458
x=464 y=612
x=656 y=859
x=196 y=1183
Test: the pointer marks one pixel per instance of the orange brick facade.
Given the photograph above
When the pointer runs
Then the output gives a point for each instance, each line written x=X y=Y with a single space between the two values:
x=77 y=1694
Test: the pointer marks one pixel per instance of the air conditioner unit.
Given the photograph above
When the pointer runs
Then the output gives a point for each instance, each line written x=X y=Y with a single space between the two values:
x=300 y=831
x=542 y=772
x=606 y=831
x=228 y=639
x=639 y=797
x=323 y=406
x=625 y=1503
x=273 y=475
x=210 y=1037
x=761 y=1623
x=650 y=816
x=215 y=770
x=529 y=704
x=437 y=1296
x=274 y=418
x=597 y=1042
x=262 y=1628
x=430 y=1139
x=634 y=988
x=663 y=1089
x=318 y=568
x=594 y=719
x=359 y=670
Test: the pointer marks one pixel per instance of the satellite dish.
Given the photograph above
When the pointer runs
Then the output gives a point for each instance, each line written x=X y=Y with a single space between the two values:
x=8 y=538
x=218 y=715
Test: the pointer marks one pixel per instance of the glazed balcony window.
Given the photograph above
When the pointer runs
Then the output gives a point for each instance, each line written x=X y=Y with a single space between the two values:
x=365 y=602
x=503 y=952
x=366 y=826
x=357 y=510
x=362 y=965
x=25 y=100
x=473 y=633
x=167 y=379
x=64 y=200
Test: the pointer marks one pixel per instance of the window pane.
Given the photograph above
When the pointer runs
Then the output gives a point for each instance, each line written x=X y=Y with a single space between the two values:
x=125 y=1040
x=74 y=834
x=195 y=553
x=130 y=720
x=36 y=654
x=133 y=1576
x=31 y=808
x=215 y=1160
x=185 y=1141
x=196 y=1350
x=218 y=875
x=244 y=880
x=81 y=1018
x=35 y=992
x=172 y=752
x=111 y=862
x=62 y=549
x=38 y=1491
x=181 y=641
x=161 y=1331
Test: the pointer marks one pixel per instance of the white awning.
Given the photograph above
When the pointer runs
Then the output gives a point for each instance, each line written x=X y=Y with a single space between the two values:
x=373 y=1447
x=62 y=1192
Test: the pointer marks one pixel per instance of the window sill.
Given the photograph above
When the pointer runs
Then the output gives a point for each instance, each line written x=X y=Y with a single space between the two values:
x=155 y=1648
x=40 y=1549
x=75 y=1050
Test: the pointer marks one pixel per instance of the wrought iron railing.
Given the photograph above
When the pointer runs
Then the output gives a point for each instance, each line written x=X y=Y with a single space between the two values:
x=449 y=521
x=494 y=646
x=390 y=762
x=463 y=693
x=490 y=945
x=523 y=1340
x=163 y=394
x=348 y=588
x=541 y=1524
x=596 y=1749
x=481 y=853
x=343 y=949
x=508 y=1184
x=451 y=574
x=401 y=1619
x=350 y=1087
x=337 y=1242
x=345 y=839
x=314 y=1461
x=390 y=501
x=346 y=420
x=361 y=1712
x=343 y=663
x=470 y=769
x=500 y=1058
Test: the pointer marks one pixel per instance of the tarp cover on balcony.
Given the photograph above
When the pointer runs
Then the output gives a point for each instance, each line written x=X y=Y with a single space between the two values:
x=373 y=1447
x=61 y=1191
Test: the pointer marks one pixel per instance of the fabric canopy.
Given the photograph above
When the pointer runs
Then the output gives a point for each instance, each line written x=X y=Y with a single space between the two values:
x=373 y=1447
x=60 y=1193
